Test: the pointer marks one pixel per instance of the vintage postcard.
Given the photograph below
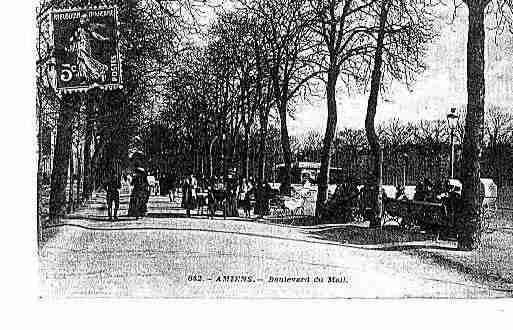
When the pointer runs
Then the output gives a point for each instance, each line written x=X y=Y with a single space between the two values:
x=274 y=148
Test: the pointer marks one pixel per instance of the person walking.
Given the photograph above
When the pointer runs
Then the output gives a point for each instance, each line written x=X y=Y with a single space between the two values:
x=189 y=194
x=172 y=185
x=112 y=186
x=243 y=197
x=163 y=184
x=263 y=194
x=157 y=185
x=140 y=194
x=259 y=199
x=231 y=196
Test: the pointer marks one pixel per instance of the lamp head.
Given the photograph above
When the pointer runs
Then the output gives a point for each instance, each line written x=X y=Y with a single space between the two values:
x=452 y=118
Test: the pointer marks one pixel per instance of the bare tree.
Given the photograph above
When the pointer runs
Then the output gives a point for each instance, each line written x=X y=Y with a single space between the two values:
x=147 y=47
x=352 y=137
x=404 y=29
x=372 y=137
x=341 y=26
x=499 y=125
x=288 y=56
x=309 y=146
x=354 y=34
x=430 y=132
x=396 y=133
x=499 y=134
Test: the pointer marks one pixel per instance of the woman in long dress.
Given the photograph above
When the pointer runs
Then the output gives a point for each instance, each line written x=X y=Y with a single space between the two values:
x=140 y=194
x=189 y=187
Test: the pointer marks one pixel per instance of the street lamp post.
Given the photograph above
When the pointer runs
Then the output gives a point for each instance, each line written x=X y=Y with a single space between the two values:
x=405 y=164
x=452 y=121
x=225 y=161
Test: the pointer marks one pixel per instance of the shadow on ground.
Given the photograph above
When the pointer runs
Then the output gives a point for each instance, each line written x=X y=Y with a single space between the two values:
x=469 y=268
x=361 y=235
x=295 y=220
x=124 y=218
x=98 y=218
x=490 y=264
x=171 y=215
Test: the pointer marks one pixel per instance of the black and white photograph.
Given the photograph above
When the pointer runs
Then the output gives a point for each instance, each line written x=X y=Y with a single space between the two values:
x=277 y=149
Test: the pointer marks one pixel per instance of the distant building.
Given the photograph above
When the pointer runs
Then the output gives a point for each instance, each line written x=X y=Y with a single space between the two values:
x=308 y=170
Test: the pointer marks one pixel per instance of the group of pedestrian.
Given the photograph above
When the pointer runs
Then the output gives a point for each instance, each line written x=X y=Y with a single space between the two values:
x=230 y=194
x=234 y=194
x=249 y=196
x=139 y=192
x=440 y=192
x=426 y=191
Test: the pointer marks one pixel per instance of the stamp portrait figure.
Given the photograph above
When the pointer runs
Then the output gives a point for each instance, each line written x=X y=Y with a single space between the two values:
x=90 y=70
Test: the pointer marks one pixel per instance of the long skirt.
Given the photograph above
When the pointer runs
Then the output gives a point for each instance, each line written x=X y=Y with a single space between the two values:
x=231 y=206
x=188 y=200
x=138 y=203
x=91 y=69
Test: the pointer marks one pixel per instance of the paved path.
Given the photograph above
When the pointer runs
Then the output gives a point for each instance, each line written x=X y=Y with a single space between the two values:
x=168 y=255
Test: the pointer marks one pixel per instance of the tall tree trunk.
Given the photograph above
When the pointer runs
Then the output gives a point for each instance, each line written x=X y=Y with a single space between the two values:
x=89 y=132
x=79 y=173
x=63 y=145
x=39 y=167
x=376 y=149
x=264 y=119
x=331 y=126
x=287 y=153
x=281 y=97
x=245 y=162
x=87 y=181
x=223 y=155
x=202 y=160
x=469 y=222
x=71 y=197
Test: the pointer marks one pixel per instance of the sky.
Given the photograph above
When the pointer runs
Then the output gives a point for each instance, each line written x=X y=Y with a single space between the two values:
x=440 y=87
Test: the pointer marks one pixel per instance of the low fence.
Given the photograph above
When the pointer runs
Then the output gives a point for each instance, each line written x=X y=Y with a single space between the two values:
x=504 y=198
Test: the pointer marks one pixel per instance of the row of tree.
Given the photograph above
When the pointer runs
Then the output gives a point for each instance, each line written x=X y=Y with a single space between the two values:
x=213 y=91
x=429 y=140
x=261 y=57
x=395 y=133
x=264 y=55
x=92 y=129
